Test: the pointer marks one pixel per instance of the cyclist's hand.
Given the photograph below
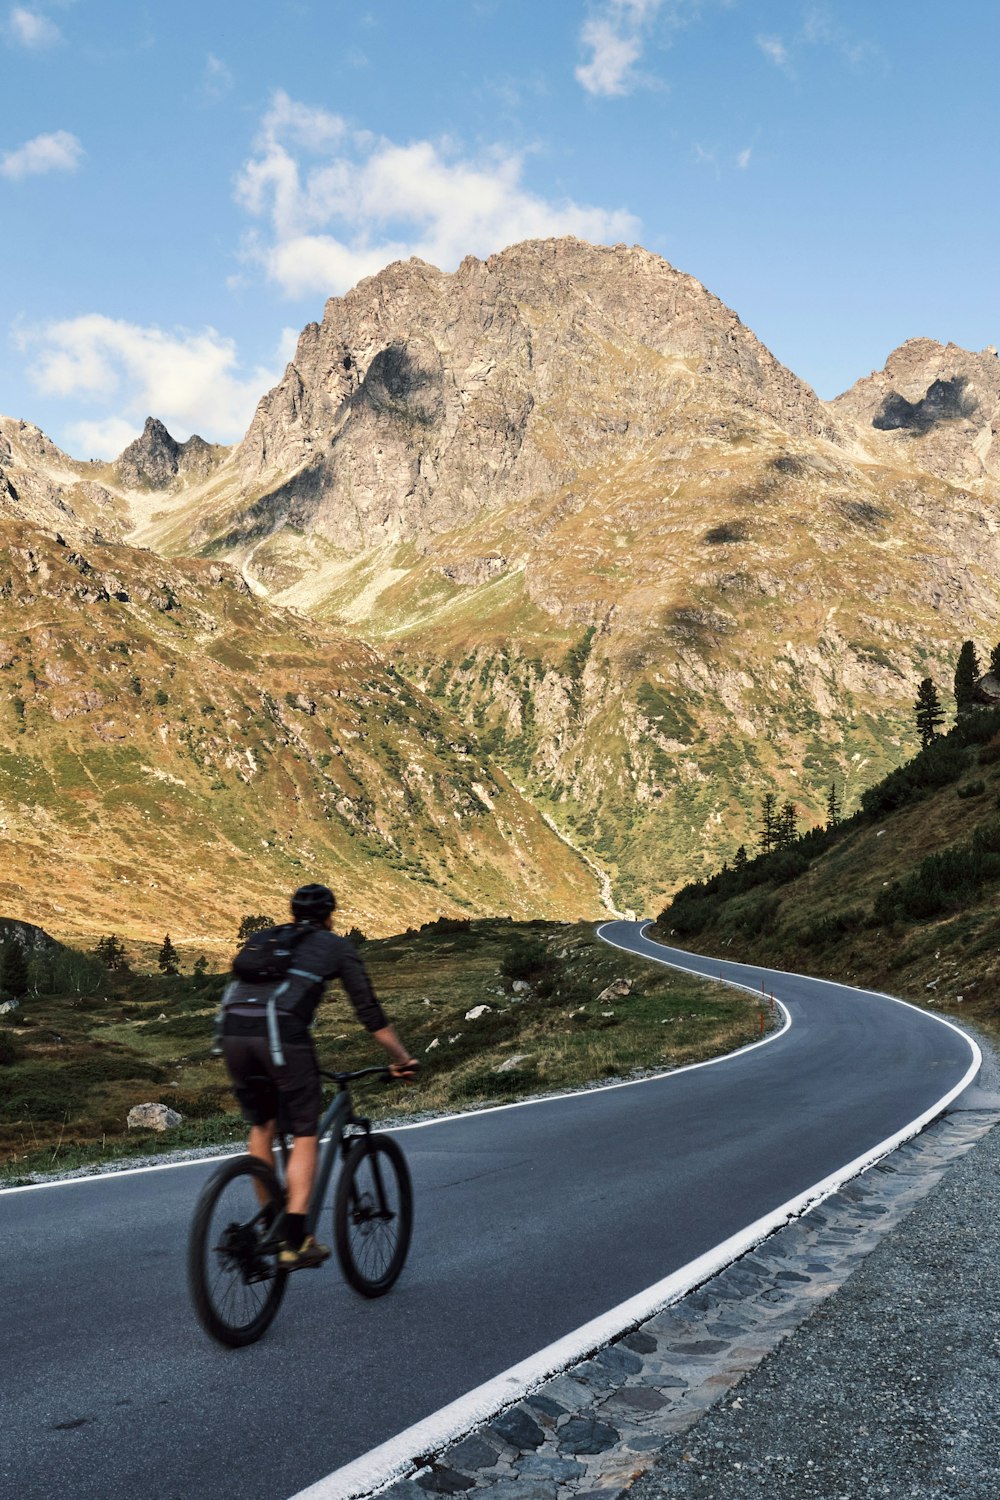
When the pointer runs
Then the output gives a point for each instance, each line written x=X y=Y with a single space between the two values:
x=406 y=1072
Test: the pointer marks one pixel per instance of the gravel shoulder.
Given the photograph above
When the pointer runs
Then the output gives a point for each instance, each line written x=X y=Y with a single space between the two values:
x=853 y=1353
x=892 y=1386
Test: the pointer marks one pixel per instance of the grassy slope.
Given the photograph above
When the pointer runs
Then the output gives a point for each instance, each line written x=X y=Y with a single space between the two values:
x=78 y=1062
x=760 y=611
x=173 y=752
x=903 y=897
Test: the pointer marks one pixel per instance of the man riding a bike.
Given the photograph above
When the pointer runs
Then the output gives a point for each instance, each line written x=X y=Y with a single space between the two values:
x=271 y=1060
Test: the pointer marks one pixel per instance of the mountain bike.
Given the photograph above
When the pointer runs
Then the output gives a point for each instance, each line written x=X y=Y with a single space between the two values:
x=234 y=1277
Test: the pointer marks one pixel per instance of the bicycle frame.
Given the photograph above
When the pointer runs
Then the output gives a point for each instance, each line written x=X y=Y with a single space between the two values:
x=338 y=1125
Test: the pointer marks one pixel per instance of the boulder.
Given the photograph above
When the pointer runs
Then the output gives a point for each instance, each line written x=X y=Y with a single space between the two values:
x=987 y=691
x=514 y=1061
x=616 y=990
x=153 y=1117
x=477 y=1011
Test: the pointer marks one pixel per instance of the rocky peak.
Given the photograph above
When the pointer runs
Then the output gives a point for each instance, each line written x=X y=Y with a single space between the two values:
x=937 y=405
x=423 y=396
x=151 y=462
x=155 y=459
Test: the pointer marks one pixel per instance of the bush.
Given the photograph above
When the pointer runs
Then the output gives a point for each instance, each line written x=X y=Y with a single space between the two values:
x=10 y=1049
x=525 y=958
x=971 y=789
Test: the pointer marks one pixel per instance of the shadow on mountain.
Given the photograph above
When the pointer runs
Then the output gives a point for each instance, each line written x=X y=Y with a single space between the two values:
x=400 y=383
x=944 y=401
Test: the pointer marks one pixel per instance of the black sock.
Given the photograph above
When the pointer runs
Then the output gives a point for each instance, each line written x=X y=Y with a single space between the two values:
x=295 y=1230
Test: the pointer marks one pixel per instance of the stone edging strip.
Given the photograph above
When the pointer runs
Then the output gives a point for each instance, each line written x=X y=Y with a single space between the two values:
x=593 y=1430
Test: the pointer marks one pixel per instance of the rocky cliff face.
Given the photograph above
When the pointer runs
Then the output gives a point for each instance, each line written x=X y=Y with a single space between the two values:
x=156 y=459
x=933 y=406
x=423 y=398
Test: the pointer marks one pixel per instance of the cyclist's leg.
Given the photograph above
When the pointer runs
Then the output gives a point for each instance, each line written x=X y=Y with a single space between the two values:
x=261 y=1144
x=301 y=1171
x=301 y=1097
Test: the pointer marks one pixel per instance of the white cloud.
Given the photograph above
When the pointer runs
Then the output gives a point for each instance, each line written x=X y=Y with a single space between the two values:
x=615 y=37
x=363 y=201
x=743 y=159
x=191 y=381
x=29 y=29
x=58 y=152
x=775 y=51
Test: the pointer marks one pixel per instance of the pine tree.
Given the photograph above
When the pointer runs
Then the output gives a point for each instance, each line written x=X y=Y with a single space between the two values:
x=787 y=831
x=928 y=712
x=768 y=823
x=110 y=951
x=14 y=975
x=967 y=674
x=250 y=925
x=200 y=966
x=741 y=857
x=995 y=660
x=167 y=957
x=833 y=809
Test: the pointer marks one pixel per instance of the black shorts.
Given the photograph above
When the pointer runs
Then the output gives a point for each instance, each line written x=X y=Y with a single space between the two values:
x=265 y=1091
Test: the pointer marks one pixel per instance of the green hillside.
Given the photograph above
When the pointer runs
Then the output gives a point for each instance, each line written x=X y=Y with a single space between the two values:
x=904 y=895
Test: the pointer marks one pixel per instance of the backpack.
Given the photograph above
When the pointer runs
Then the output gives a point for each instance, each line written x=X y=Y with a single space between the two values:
x=267 y=956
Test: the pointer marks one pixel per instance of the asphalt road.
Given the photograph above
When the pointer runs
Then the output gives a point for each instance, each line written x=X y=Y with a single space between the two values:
x=529 y=1222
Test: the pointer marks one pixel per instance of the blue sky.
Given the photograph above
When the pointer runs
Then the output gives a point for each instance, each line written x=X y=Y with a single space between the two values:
x=182 y=185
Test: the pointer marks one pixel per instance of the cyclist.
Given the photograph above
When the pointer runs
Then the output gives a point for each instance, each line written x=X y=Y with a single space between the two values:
x=268 y=1070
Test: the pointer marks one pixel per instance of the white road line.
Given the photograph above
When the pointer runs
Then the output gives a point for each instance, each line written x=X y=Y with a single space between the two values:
x=381 y=1465
x=467 y=1114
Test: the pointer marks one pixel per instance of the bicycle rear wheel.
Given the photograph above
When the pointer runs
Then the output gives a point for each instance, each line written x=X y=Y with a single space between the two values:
x=373 y=1214
x=233 y=1274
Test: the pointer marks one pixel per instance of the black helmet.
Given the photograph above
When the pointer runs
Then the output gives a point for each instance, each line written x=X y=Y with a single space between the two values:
x=313 y=903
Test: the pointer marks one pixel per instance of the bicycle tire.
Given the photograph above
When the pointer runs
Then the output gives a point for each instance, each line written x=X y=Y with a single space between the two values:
x=373 y=1214
x=235 y=1289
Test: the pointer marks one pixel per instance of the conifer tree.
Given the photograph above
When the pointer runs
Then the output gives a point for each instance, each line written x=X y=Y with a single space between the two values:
x=14 y=974
x=200 y=966
x=995 y=660
x=167 y=957
x=928 y=712
x=740 y=858
x=768 y=823
x=967 y=674
x=833 y=808
x=110 y=951
x=788 y=830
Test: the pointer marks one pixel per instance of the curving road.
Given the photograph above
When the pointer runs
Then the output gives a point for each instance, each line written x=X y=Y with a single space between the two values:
x=531 y=1221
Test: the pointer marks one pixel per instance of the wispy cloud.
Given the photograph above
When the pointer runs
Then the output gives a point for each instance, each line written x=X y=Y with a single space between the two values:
x=743 y=158
x=58 y=152
x=775 y=51
x=819 y=28
x=191 y=380
x=615 y=37
x=217 y=79
x=29 y=28
x=336 y=204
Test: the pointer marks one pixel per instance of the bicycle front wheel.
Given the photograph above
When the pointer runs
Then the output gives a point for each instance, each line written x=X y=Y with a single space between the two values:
x=373 y=1214
x=233 y=1274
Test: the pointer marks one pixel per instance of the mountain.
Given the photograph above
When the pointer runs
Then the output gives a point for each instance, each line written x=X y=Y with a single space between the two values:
x=581 y=508
x=175 y=753
x=934 y=406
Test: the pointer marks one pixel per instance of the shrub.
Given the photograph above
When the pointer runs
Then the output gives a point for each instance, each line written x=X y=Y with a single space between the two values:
x=971 y=789
x=526 y=958
x=10 y=1049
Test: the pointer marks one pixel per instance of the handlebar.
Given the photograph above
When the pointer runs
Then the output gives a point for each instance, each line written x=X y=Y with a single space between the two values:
x=343 y=1079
